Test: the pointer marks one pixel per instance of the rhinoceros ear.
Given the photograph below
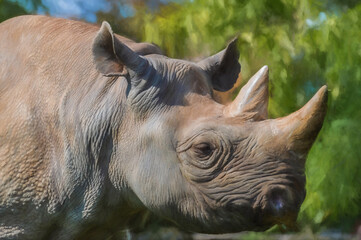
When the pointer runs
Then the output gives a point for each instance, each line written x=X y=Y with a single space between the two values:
x=112 y=57
x=223 y=68
x=252 y=100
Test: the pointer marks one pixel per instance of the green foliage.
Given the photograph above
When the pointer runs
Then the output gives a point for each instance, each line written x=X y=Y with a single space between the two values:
x=13 y=8
x=334 y=168
x=10 y=9
x=255 y=236
x=306 y=44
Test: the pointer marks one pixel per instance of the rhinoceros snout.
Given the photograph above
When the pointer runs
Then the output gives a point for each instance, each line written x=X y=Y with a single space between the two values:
x=282 y=206
x=278 y=204
x=279 y=201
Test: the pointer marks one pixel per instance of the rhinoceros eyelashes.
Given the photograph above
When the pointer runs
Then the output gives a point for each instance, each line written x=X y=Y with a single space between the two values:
x=204 y=155
x=203 y=150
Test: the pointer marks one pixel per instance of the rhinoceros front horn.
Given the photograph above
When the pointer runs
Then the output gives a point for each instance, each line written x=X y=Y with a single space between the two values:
x=299 y=129
x=112 y=57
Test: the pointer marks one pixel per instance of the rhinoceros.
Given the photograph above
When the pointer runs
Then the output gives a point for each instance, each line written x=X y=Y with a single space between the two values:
x=97 y=132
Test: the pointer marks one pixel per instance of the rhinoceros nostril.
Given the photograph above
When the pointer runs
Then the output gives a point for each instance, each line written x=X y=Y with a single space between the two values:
x=278 y=204
x=278 y=201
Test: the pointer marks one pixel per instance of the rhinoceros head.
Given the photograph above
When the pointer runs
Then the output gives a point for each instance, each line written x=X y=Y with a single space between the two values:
x=206 y=166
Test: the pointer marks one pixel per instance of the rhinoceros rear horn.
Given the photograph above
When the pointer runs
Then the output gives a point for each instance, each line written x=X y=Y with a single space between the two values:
x=299 y=129
x=223 y=68
x=252 y=100
x=112 y=57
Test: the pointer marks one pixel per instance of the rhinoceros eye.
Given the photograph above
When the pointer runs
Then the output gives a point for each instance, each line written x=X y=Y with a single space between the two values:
x=203 y=150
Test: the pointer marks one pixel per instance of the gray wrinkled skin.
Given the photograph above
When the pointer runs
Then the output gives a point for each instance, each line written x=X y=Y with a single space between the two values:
x=97 y=133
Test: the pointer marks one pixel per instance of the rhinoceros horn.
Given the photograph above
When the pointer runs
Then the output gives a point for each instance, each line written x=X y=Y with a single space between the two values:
x=299 y=129
x=112 y=57
x=252 y=100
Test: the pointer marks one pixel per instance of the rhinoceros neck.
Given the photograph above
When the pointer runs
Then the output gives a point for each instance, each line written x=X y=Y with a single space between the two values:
x=59 y=119
x=79 y=192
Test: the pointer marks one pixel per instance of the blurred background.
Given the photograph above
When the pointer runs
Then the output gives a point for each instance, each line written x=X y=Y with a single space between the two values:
x=305 y=43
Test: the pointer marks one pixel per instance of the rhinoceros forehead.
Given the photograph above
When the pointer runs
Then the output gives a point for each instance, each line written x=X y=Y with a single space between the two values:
x=180 y=72
x=167 y=83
